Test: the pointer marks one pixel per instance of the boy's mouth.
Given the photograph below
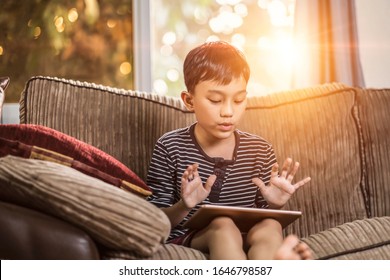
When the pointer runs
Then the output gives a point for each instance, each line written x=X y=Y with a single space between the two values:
x=225 y=126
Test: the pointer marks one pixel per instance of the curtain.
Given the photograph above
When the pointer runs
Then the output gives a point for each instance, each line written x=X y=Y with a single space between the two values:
x=326 y=43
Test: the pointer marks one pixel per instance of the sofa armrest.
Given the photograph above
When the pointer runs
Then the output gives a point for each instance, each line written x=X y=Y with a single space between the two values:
x=28 y=234
x=358 y=240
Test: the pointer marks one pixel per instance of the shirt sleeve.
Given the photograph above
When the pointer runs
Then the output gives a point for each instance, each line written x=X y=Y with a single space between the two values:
x=161 y=178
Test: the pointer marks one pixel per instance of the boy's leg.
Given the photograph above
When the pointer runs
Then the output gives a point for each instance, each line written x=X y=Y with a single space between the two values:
x=264 y=240
x=221 y=239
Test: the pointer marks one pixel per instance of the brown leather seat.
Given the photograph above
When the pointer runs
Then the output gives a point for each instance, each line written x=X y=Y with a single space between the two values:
x=41 y=236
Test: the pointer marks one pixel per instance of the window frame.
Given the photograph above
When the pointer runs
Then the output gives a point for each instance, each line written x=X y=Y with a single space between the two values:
x=142 y=46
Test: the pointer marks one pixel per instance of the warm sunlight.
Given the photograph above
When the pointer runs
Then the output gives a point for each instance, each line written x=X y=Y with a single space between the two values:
x=262 y=29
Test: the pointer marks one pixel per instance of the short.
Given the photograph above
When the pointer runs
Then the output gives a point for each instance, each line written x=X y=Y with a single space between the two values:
x=185 y=239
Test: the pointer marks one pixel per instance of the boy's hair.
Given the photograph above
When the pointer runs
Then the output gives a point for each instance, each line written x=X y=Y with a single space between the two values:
x=217 y=61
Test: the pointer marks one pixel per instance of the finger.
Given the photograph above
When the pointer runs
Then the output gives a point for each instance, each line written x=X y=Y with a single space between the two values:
x=185 y=175
x=302 y=182
x=275 y=170
x=196 y=173
x=189 y=174
x=293 y=172
x=195 y=167
x=286 y=167
x=184 y=183
x=260 y=184
x=192 y=171
x=210 y=182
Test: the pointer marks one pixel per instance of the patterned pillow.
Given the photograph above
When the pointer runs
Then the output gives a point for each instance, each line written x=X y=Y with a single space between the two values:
x=114 y=218
x=39 y=142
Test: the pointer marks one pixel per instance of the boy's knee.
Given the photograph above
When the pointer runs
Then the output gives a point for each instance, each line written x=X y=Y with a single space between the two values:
x=222 y=223
x=266 y=229
x=270 y=224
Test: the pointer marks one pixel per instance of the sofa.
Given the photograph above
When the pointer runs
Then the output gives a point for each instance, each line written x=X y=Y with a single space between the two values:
x=339 y=134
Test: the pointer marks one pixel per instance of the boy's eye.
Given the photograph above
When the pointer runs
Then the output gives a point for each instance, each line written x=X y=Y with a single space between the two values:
x=214 y=100
x=238 y=101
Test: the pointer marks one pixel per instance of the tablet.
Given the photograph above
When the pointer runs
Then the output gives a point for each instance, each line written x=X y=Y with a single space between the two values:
x=244 y=218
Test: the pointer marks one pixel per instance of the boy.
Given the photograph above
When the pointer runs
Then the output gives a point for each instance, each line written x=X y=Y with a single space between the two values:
x=213 y=162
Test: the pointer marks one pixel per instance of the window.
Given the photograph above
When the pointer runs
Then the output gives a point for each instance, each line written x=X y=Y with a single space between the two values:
x=92 y=40
x=262 y=29
x=88 y=40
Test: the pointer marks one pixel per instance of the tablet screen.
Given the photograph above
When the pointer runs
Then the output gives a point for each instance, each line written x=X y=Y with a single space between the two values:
x=245 y=218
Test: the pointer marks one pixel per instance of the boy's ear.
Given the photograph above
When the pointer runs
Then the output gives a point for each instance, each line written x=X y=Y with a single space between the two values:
x=187 y=99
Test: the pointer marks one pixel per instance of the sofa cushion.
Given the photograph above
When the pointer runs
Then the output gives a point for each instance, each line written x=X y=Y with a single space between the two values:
x=123 y=123
x=39 y=142
x=111 y=216
x=373 y=108
x=316 y=127
x=358 y=240
x=165 y=252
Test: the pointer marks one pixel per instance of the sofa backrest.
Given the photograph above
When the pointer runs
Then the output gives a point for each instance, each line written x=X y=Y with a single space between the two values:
x=123 y=123
x=373 y=107
x=317 y=127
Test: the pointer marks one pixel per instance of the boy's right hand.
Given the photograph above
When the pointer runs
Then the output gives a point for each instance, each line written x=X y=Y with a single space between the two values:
x=192 y=189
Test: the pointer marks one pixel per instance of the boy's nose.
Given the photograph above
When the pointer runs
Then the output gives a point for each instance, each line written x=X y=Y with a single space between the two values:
x=227 y=110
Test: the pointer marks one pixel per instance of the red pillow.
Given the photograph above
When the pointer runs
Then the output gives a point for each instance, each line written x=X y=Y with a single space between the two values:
x=40 y=142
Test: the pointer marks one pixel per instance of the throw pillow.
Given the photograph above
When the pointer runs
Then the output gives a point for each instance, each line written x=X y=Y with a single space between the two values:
x=40 y=142
x=114 y=218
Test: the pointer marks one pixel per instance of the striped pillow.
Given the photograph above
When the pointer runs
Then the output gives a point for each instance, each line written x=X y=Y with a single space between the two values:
x=113 y=217
x=40 y=142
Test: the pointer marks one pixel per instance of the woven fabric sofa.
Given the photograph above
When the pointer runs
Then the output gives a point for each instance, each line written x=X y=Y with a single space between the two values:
x=339 y=135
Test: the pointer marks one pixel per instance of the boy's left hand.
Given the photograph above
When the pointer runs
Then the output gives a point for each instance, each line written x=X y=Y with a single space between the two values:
x=280 y=189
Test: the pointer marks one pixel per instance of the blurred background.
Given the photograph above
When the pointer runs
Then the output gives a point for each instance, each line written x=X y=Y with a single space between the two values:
x=141 y=44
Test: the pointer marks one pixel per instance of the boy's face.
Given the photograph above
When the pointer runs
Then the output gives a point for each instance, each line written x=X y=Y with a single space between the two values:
x=218 y=108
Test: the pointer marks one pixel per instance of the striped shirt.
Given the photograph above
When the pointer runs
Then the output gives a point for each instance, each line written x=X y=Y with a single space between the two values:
x=176 y=150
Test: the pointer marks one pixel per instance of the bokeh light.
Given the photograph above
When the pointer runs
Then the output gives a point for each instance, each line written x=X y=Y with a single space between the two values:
x=111 y=23
x=262 y=29
x=160 y=87
x=73 y=15
x=173 y=75
x=59 y=23
x=169 y=38
x=125 y=68
x=37 y=32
